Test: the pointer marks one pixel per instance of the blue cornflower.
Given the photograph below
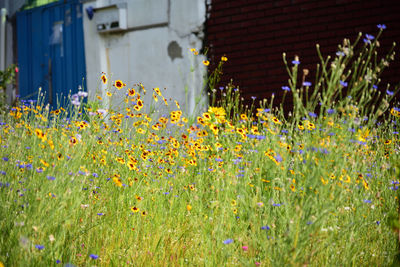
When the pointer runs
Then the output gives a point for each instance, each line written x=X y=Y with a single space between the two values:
x=278 y=158
x=344 y=84
x=266 y=227
x=3 y=172
x=228 y=241
x=340 y=53
x=369 y=36
x=286 y=88
x=381 y=26
x=52 y=178
x=94 y=256
x=389 y=92
x=331 y=111
x=312 y=114
x=306 y=83
x=295 y=62
x=5 y=158
x=367 y=201
x=267 y=110
x=95 y=175
x=100 y=214
x=39 y=247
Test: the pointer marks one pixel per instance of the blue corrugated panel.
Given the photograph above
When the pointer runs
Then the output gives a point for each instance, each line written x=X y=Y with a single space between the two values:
x=51 y=51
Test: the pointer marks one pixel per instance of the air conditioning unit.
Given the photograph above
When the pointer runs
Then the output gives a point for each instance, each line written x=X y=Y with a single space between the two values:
x=111 y=18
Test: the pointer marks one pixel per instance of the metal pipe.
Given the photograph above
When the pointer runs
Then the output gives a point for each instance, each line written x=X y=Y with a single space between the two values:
x=3 y=21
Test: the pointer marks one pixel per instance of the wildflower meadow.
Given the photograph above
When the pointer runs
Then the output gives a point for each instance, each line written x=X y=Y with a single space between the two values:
x=316 y=184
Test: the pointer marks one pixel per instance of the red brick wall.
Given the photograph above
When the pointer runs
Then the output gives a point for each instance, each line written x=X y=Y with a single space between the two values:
x=254 y=33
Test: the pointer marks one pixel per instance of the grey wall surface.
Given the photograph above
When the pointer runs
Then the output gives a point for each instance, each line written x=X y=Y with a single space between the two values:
x=154 y=50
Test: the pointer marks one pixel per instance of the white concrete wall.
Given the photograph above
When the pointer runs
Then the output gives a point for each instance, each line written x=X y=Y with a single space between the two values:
x=155 y=50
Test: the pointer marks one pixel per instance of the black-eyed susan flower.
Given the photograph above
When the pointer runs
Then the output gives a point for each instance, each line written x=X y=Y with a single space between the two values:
x=157 y=91
x=104 y=79
x=131 y=92
x=119 y=84
x=206 y=62
x=135 y=209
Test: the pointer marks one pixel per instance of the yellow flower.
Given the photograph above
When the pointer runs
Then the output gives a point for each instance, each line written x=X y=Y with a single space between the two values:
x=188 y=207
x=117 y=181
x=206 y=62
x=276 y=120
x=194 y=51
x=157 y=90
x=131 y=92
x=135 y=209
x=363 y=134
x=104 y=79
x=223 y=58
x=119 y=84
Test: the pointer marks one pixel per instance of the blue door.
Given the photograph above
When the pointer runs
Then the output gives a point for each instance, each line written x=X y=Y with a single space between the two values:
x=51 y=51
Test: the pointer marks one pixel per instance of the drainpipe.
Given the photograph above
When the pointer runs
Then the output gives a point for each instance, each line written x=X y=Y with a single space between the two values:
x=3 y=21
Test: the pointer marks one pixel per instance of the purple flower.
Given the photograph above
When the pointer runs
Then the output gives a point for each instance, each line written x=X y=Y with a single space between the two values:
x=253 y=97
x=369 y=36
x=52 y=178
x=389 y=92
x=306 y=83
x=94 y=256
x=367 y=201
x=374 y=86
x=295 y=62
x=278 y=158
x=228 y=241
x=381 y=26
x=312 y=114
x=266 y=227
x=95 y=175
x=331 y=111
x=39 y=170
x=39 y=247
x=100 y=214
x=344 y=84
x=340 y=53
x=286 y=88
x=5 y=158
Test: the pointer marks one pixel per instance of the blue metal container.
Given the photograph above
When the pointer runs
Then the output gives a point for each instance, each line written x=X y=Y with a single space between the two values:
x=51 y=52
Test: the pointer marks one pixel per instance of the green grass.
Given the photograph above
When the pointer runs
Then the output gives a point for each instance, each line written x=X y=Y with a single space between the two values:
x=239 y=187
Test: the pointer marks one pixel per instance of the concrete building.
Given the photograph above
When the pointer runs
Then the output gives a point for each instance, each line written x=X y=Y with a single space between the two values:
x=151 y=45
